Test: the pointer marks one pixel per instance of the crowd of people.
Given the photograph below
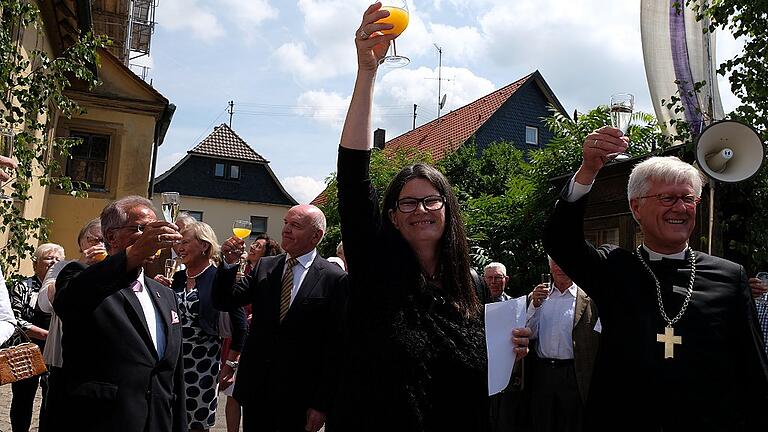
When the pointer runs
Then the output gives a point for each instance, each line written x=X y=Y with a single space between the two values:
x=389 y=335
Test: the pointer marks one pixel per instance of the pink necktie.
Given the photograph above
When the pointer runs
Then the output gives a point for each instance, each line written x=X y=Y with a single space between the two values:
x=136 y=287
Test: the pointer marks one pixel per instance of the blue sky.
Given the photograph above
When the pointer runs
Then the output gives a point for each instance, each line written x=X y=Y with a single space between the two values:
x=289 y=66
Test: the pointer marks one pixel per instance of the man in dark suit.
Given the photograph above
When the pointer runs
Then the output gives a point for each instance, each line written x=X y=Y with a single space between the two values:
x=121 y=344
x=679 y=348
x=565 y=340
x=286 y=374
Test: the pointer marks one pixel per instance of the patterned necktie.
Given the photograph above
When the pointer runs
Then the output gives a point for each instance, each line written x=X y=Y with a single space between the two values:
x=285 y=294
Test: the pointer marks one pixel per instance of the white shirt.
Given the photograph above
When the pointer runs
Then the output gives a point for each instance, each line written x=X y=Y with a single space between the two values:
x=552 y=323
x=156 y=329
x=300 y=270
x=52 y=350
x=7 y=319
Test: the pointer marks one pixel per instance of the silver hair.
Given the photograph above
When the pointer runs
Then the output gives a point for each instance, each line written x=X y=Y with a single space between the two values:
x=496 y=265
x=115 y=214
x=45 y=248
x=667 y=169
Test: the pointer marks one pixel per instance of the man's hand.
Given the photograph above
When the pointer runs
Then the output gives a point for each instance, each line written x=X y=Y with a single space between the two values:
x=599 y=147
x=232 y=249
x=757 y=287
x=156 y=235
x=315 y=420
x=6 y=163
x=520 y=341
x=539 y=294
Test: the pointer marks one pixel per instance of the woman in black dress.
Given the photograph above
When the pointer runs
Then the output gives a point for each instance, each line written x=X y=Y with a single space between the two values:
x=416 y=354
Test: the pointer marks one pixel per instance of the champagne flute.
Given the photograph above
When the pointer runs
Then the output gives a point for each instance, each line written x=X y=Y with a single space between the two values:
x=7 y=139
x=398 y=17
x=622 y=106
x=170 y=268
x=171 y=203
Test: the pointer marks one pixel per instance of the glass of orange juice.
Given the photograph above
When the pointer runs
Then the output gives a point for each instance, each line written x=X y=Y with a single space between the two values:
x=398 y=17
x=241 y=229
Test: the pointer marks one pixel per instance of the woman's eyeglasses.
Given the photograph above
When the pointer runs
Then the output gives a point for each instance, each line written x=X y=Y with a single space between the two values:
x=430 y=203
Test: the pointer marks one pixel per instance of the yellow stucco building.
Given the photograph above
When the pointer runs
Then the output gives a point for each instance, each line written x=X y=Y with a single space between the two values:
x=124 y=122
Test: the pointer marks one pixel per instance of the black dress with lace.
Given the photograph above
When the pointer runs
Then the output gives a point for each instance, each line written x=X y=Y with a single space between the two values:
x=413 y=363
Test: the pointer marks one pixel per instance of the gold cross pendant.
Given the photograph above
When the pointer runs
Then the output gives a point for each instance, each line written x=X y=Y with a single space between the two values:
x=669 y=340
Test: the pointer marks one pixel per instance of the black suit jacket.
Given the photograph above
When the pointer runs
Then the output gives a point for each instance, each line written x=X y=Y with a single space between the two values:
x=289 y=363
x=115 y=380
x=717 y=380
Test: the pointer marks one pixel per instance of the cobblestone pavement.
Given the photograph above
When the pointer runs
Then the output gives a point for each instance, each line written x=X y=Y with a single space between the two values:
x=5 y=408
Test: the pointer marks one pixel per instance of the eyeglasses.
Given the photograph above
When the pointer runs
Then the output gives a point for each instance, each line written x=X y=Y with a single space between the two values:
x=430 y=203
x=137 y=228
x=689 y=201
x=495 y=278
x=94 y=240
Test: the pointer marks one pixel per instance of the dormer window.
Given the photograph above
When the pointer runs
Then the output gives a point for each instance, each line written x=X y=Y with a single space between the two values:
x=219 y=170
x=226 y=170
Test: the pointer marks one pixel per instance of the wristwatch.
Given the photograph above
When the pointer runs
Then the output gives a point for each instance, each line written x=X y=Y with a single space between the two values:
x=232 y=364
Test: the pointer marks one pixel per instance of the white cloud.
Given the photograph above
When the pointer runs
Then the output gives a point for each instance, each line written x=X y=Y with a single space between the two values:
x=249 y=15
x=324 y=107
x=189 y=17
x=399 y=89
x=303 y=189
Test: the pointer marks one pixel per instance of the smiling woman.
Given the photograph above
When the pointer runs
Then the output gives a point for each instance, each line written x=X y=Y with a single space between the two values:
x=417 y=353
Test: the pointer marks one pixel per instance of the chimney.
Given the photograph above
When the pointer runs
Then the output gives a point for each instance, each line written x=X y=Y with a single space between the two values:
x=379 y=138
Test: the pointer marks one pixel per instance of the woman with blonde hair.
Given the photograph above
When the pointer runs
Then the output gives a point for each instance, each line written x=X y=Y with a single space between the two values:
x=199 y=251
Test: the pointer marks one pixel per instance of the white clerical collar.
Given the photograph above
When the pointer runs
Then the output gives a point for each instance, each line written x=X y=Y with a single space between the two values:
x=655 y=256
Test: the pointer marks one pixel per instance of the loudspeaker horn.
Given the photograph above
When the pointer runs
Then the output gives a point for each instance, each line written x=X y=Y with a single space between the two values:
x=729 y=151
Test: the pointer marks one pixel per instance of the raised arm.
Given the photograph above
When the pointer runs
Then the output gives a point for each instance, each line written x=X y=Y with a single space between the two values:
x=357 y=125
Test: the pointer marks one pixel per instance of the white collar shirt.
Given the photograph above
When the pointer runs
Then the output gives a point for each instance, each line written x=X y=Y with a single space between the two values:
x=154 y=323
x=552 y=324
x=655 y=256
x=300 y=270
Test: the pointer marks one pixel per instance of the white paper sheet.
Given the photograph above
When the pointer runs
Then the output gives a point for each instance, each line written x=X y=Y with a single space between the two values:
x=500 y=319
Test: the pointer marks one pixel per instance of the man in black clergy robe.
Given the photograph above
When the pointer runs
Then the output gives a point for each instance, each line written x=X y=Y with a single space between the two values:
x=664 y=362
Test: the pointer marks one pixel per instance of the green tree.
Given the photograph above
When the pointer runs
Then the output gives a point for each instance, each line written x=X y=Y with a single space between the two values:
x=506 y=196
x=741 y=207
x=32 y=88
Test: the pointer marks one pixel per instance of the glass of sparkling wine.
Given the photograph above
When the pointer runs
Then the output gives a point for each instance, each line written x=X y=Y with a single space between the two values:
x=763 y=276
x=622 y=106
x=170 y=268
x=398 y=17
x=7 y=139
x=171 y=202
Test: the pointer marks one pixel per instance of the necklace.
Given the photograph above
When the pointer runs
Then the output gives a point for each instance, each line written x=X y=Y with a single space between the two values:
x=668 y=338
x=198 y=274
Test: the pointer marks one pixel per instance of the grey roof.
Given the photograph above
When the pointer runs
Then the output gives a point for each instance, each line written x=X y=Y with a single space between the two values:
x=223 y=142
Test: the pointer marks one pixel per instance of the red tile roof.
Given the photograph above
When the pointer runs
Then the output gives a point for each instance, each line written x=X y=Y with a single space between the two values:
x=447 y=133
x=223 y=142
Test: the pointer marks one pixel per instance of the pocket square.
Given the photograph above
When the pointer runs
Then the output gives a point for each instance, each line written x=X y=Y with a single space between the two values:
x=174 y=317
